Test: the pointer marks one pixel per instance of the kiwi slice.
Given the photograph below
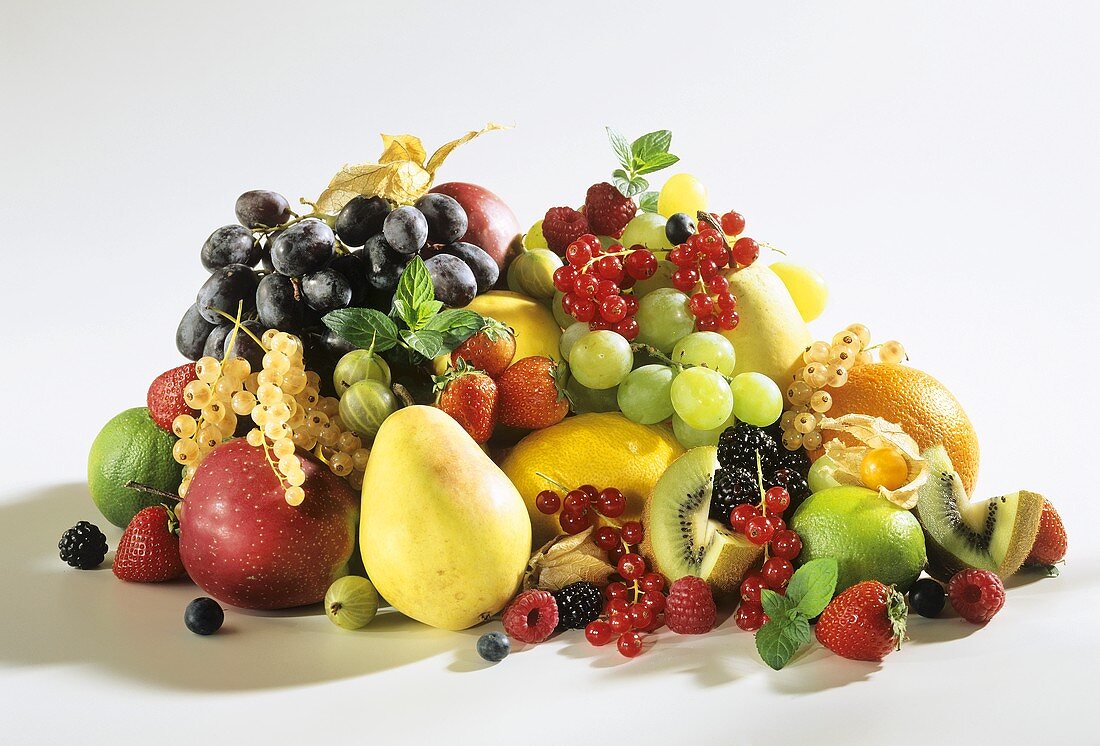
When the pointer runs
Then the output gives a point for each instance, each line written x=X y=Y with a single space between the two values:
x=994 y=534
x=680 y=539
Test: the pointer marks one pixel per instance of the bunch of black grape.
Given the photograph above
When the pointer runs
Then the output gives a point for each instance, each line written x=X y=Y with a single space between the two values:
x=288 y=278
x=736 y=480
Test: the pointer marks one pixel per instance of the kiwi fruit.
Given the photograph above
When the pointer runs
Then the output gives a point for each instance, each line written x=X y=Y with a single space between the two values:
x=681 y=539
x=994 y=534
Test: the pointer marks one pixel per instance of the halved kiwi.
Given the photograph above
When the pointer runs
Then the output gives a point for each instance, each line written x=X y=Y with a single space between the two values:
x=994 y=534
x=680 y=539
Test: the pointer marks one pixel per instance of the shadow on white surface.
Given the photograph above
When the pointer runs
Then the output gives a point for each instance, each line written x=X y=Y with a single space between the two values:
x=68 y=617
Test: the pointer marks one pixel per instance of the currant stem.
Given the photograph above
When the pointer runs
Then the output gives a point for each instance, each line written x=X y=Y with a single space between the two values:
x=554 y=482
x=141 y=487
x=238 y=325
x=763 y=500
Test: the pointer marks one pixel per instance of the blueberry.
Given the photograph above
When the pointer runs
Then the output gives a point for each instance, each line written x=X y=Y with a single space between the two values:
x=679 y=228
x=494 y=646
x=204 y=616
x=926 y=597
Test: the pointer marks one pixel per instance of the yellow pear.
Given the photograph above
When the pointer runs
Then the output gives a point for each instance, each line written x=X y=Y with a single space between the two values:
x=536 y=331
x=771 y=335
x=444 y=534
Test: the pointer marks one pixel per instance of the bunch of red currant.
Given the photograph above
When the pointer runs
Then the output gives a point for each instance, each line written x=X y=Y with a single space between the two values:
x=763 y=524
x=594 y=283
x=699 y=262
x=580 y=506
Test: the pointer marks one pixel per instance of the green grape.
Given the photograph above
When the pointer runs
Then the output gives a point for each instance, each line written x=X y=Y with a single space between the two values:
x=583 y=400
x=664 y=319
x=564 y=320
x=365 y=406
x=682 y=193
x=756 y=399
x=689 y=437
x=569 y=337
x=706 y=348
x=644 y=394
x=662 y=278
x=359 y=365
x=702 y=398
x=533 y=238
x=647 y=229
x=822 y=474
x=601 y=359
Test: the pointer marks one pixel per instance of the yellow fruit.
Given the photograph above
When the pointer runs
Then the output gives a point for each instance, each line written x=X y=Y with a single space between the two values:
x=771 y=335
x=682 y=193
x=536 y=331
x=807 y=288
x=920 y=404
x=883 y=467
x=602 y=449
x=444 y=535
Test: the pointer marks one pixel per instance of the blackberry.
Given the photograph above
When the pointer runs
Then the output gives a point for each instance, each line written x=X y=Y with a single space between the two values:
x=83 y=546
x=738 y=446
x=796 y=460
x=732 y=487
x=578 y=604
x=795 y=484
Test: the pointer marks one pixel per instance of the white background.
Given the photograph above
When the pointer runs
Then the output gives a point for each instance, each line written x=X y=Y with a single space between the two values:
x=936 y=161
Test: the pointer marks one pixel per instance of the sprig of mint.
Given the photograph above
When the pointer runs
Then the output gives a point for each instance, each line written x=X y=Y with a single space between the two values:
x=645 y=155
x=428 y=330
x=788 y=627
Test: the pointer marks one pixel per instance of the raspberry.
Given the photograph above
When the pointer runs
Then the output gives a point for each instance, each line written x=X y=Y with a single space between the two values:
x=608 y=210
x=578 y=604
x=976 y=594
x=531 y=617
x=562 y=226
x=690 y=609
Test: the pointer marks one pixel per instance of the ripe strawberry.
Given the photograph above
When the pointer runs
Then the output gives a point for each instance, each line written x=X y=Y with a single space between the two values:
x=976 y=594
x=562 y=226
x=490 y=350
x=607 y=210
x=1050 y=543
x=864 y=623
x=149 y=550
x=165 y=397
x=532 y=394
x=471 y=398
x=690 y=608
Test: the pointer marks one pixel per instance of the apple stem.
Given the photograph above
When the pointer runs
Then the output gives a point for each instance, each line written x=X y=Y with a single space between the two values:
x=132 y=485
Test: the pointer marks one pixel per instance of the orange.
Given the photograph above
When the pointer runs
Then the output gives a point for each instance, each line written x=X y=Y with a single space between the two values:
x=923 y=407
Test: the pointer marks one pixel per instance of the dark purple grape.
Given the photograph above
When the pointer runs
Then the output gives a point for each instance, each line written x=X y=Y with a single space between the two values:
x=360 y=219
x=326 y=290
x=244 y=346
x=354 y=269
x=679 y=228
x=452 y=279
x=447 y=221
x=215 y=342
x=486 y=270
x=226 y=288
x=279 y=303
x=384 y=265
x=260 y=208
x=192 y=332
x=406 y=230
x=303 y=248
x=230 y=244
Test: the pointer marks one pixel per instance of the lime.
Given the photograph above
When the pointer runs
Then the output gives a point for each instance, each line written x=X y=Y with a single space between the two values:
x=868 y=536
x=130 y=447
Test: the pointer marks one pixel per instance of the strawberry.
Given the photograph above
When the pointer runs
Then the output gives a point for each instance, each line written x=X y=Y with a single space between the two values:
x=149 y=550
x=1050 y=543
x=165 y=397
x=532 y=394
x=470 y=397
x=864 y=623
x=490 y=350
x=607 y=210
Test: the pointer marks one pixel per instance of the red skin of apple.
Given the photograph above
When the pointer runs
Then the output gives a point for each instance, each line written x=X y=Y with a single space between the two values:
x=243 y=545
x=493 y=225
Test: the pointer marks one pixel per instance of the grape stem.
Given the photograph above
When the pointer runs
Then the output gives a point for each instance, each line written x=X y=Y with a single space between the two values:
x=653 y=351
x=140 y=487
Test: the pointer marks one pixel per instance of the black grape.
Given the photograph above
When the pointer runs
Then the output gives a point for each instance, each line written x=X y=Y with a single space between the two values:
x=360 y=219
x=452 y=279
x=447 y=221
x=303 y=248
x=326 y=290
x=260 y=208
x=354 y=269
x=215 y=343
x=279 y=303
x=244 y=346
x=384 y=265
x=192 y=332
x=485 y=269
x=679 y=228
x=230 y=244
x=225 y=288
x=406 y=230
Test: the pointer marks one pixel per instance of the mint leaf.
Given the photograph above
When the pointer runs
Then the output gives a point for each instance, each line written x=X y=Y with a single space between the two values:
x=646 y=147
x=426 y=311
x=812 y=586
x=426 y=343
x=403 y=311
x=778 y=640
x=414 y=289
x=621 y=147
x=637 y=185
x=622 y=184
x=362 y=327
x=647 y=201
x=657 y=162
x=455 y=326
x=775 y=606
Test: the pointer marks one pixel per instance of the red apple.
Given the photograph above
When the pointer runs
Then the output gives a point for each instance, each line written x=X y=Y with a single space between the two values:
x=245 y=546
x=493 y=225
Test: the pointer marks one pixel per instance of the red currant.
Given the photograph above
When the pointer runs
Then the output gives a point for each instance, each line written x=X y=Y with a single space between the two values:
x=655 y=601
x=548 y=502
x=786 y=544
x=631 y=566
x=777 y=571
x=733 y=223
x=620 y=621
x=583 y=309
x=616 y=554
x=653 y=582
x=778 y=524
x=610 y=268
x=728 y=320
x=740 y=515
x=751 y=587
x=707 y=324
x=727 y=301
x=680 y=257
x=598 y=633
x=610 y=502
x=593 y=243
x=750 y=617
x=589 y=490
x=606 y=289
x=630 y=644
x=578 y=253
x=606 y=537
x=718 y=285
x=613 y=309
x=701 y=305
x=777 y=499
x=759 y=530
x=641 y=264
x=574 y=524
x=745 y=251
x=631 y=304
x=708 y=268
x=597 y=325
x=585 y=285
x=563 y=278
x=628 y=327
x=576 y=502
x=684 y=279
x=615 y=590
x=632 y=533
x=642 y=615
x=618 y=605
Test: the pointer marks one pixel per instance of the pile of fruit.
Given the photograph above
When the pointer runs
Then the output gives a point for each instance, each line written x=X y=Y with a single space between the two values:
x=616 y=422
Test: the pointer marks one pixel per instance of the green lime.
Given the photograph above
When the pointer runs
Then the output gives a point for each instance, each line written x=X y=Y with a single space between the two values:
x=869 y=537
x=130 y=447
